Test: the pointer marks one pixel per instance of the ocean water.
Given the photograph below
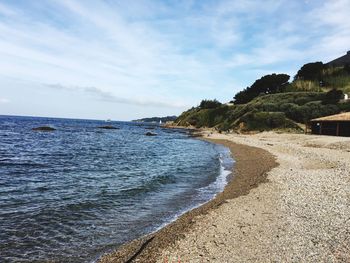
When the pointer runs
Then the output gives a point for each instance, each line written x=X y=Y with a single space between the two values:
x=79 y=191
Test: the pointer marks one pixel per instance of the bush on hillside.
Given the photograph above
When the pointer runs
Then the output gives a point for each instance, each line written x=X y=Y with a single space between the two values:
x=209 y=104
x=290 y=97
x=204 y=117
x=344 y=106
x=225 y=126
x=332 y=97
x=311 y=110
x=262 y=121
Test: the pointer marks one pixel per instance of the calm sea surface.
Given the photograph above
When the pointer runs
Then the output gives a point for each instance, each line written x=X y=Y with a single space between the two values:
x=74 y=193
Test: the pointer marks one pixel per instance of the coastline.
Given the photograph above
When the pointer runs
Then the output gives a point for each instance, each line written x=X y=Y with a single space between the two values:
x=245 y=177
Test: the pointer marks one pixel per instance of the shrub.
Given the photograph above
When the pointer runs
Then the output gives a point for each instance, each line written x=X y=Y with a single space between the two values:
x=332 y=97
x=261 y=121
x=313 y=110
x=209 y=104
x=224 y=126
x=269 y=107
x=344 y=106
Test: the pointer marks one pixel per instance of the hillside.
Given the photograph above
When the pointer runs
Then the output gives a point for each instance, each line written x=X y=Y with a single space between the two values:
x=266 y=112
x=272 y=102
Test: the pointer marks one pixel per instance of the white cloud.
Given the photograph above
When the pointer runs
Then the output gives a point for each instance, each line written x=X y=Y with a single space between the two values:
x=109 y=97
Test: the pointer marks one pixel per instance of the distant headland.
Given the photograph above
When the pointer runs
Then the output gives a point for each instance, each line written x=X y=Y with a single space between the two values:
x=157 y=119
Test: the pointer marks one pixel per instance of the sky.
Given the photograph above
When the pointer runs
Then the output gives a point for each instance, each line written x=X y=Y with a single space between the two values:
x=122 y=60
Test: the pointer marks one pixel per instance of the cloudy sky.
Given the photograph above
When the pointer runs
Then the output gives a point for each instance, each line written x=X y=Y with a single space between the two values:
x=128 y=59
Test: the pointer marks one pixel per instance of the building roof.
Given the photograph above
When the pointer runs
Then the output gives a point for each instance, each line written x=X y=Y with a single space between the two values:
x=338 y=117
x=342 y=61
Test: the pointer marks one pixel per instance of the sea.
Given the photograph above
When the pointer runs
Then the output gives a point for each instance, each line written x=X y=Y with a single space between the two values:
x=75 y=193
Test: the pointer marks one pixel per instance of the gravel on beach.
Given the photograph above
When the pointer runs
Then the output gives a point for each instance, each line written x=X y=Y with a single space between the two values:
x=301 y=214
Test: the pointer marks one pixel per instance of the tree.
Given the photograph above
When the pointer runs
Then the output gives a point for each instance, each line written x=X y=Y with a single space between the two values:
x=311 y=71
x=268 y=84
x=209 y=104
x=333 y=97
x=244 y=96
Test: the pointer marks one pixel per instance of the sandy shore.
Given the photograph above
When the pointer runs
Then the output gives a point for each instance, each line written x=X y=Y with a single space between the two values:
x=298 y=211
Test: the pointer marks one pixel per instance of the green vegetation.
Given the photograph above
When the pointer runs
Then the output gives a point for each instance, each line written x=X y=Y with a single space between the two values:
x=268 y=84
x=311 y=71
x=209 y=104
x=333 y=96
x=266 y=112
x=262 y=121
x=272 y=102
x=203 y=117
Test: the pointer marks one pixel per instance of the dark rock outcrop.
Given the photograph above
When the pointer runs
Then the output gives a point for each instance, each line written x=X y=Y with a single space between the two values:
x=150 y=134
x=108 y=127
x=44 y=128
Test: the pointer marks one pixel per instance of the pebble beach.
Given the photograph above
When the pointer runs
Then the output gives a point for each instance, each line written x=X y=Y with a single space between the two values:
x=300 y=214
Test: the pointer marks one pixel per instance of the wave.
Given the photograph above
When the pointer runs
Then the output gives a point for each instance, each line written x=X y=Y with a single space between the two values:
x=9 y=162
x=210 y=191
x=151 y=185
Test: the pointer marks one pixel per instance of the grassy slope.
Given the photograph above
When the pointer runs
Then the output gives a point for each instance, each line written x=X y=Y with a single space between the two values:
x=274 y=111
x=337 y=78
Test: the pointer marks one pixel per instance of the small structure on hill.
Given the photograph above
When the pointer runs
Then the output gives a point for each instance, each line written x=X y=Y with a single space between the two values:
x=340 y=62
x=336 y=125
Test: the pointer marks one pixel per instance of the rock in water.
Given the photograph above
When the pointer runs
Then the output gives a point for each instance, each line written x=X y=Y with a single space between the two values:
x=44 y=128
x=108 y=127
x=150 y=134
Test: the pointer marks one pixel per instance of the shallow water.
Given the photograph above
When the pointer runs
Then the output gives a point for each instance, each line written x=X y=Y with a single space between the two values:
x=74 y=193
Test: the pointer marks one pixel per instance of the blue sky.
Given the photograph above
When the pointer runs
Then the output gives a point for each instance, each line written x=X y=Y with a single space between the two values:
x=129 y=59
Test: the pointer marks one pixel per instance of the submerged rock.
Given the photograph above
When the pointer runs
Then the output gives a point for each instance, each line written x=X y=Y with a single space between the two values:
x=108 y=127
x=44 y=128
x=150 y=134
x=195 y=135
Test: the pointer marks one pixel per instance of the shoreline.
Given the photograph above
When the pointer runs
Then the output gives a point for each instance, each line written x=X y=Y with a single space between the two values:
x=244 y=177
